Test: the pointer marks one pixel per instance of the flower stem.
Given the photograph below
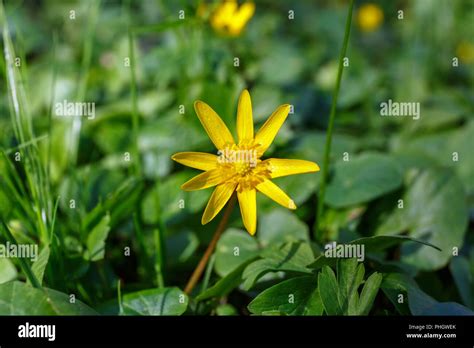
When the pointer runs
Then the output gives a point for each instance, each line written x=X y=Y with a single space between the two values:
x=210 y=249
x=158 y=258
x=327 y=149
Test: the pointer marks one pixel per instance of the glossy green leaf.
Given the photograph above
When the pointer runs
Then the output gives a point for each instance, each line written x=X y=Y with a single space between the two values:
x=281 y=226
x=350 y=275
x=165 y=301
x=434 y=211
x=292 y=257
x=329 y=291
x=399 y=287
x=362 y=179
x=369 y=292
x=234 y=248
x=18 y=298
x=462 y=270
x=295 y=296
x=371 y=244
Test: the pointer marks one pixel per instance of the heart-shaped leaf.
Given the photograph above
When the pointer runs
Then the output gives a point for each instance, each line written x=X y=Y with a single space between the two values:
x=363 y=179
x=17 y=298
x=165 y=301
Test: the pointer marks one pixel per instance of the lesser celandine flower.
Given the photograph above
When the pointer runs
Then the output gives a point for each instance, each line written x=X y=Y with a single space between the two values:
x=230 y=18
x=465 y=52
x=238 y=165
x=369 y=17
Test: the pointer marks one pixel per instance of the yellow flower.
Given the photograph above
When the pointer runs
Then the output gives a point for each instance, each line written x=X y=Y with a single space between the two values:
x=465 y=52
x=238 y=166
x=230 y=19
x=369 y=17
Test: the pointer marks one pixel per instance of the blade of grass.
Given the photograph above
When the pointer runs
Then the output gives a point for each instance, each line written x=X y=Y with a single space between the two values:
x=327 y=148
x=134 y=99
x=51 y=102
x=206 y=278
x=144 y=257
x=25 y=144
x=119 y=297
x=83 y=77
x=23 y=128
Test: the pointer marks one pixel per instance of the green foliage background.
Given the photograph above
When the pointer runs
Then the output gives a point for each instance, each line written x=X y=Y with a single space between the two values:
x=127 y=245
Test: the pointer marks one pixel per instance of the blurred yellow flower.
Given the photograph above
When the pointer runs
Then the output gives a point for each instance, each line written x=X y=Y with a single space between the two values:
x=229 y=18
x=369 y=17
x=465 y=52
x=238 y=166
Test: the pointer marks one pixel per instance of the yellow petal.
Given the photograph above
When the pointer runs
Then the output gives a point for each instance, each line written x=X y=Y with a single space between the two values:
x=241 y=17
x=283 y=167
x=244 y=117
x=214 y=126
x=223 y=14
x=270 y=128
x=204 y=180
x=218 y=199
x=248 y=209
x=271 y=190
x=198 y=160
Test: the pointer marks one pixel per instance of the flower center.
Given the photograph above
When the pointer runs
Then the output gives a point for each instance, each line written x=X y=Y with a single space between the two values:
x=242 y=166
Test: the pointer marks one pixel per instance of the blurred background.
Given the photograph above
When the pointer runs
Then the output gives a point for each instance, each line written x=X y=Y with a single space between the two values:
x=144 y=63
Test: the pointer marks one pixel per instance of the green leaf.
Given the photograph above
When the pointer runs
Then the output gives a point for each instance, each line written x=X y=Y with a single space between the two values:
x=292 y=257
x=226 y=284
x=371 y=244
x=350 y=275
x=420 y=303
x=358 y=88
x=166 y=200
x=463 y=274
x=295 y=296
x=299 y=187
x=342 y=297
x=8 y=271
x=308 y=145
x=40 y=264
x=281 y=226
x=369 y=292
x=16 y=298
x=96 y=240
x=234 y=248
x=226 y=310
x=181 y=247
x=329 y=291
x=264 y=100
x=363 y=179
x=282 y=55
x=165 y=301
x=440 y=147
x=120 y=203
x=435 y=211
